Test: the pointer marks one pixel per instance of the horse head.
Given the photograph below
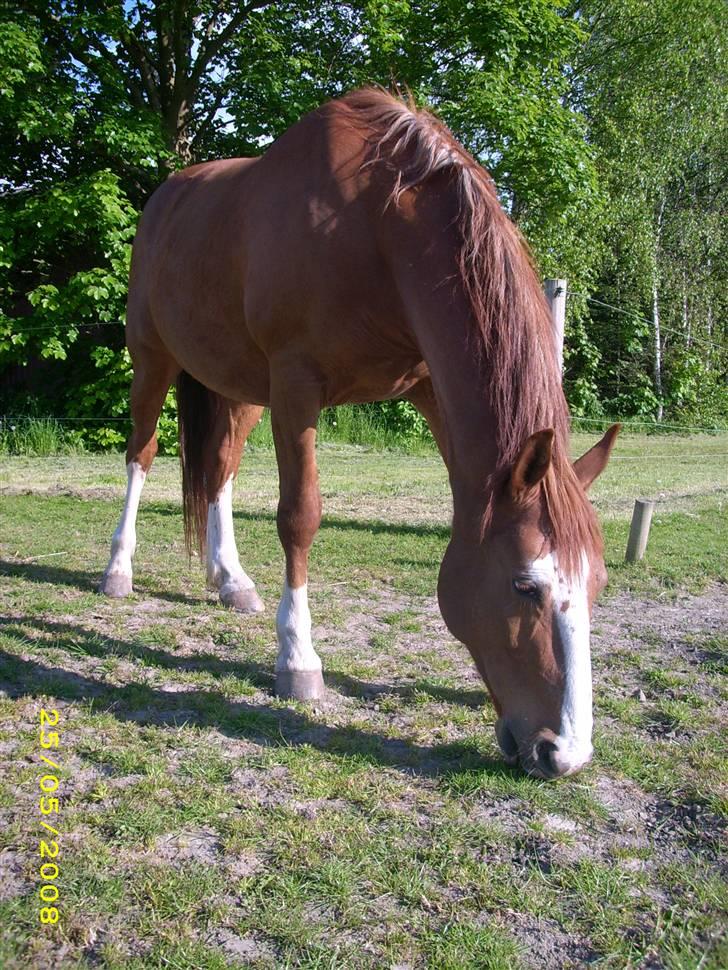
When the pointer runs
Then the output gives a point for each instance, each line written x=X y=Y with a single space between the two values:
x=520 y=597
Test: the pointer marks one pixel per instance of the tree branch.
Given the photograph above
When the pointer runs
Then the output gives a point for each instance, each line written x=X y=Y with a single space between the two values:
x=140 y=56
x=210 y=115
x=214 y=45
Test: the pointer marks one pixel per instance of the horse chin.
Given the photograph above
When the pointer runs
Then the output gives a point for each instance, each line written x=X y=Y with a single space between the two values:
x=506 y=742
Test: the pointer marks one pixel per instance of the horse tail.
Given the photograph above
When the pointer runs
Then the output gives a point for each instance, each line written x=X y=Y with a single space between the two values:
x=196 y=412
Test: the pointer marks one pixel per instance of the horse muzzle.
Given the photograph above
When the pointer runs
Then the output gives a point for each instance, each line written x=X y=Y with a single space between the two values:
x=545 y=755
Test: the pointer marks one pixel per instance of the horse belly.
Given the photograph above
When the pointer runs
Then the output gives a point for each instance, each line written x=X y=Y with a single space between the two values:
x=192 y=276
x=363 y=378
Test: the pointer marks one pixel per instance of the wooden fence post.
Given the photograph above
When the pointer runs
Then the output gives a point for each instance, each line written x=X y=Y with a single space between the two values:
x=640 y=529
x=555 y=291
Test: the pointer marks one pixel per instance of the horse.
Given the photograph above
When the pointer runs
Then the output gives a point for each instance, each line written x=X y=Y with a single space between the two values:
x=365 y=256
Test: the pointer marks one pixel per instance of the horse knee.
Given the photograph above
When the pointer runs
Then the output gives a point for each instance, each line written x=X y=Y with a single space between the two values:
x=298 y=522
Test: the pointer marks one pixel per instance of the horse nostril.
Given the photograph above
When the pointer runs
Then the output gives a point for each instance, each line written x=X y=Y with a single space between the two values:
x=545 y=758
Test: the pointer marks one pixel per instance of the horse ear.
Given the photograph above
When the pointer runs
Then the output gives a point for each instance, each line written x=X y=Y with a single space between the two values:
x=532 y=463
x=593 y=462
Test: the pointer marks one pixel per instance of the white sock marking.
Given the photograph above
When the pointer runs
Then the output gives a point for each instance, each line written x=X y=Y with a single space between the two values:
x=123 y=542
x=224 y=571
x=293 y=626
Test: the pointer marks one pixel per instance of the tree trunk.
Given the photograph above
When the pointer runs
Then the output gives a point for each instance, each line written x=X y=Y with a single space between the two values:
x=657 y=347
x=709 y=313
x=179 y=135
x=657 y=337
x=687 y=328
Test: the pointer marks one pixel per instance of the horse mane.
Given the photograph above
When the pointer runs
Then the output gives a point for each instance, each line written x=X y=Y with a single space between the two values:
x=513 y=333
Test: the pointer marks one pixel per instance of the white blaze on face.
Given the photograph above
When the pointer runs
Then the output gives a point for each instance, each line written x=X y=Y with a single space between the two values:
x=293 y=626
x=571 y=615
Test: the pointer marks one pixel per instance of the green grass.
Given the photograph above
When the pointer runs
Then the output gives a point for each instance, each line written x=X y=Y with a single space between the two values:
x=204 y=822
x=38 y=437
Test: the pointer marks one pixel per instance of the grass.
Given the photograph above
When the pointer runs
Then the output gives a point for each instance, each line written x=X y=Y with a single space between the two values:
x=38 y=437
x=205 y=824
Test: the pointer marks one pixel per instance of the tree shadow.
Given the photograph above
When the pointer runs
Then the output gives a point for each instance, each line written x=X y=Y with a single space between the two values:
x=267 y=723
x=354 y=687
x=374 y=526
x=85 y=642
x=80 y=641
x=87 y=581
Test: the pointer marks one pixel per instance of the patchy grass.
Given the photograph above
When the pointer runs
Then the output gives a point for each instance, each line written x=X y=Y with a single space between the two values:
x=206 y=824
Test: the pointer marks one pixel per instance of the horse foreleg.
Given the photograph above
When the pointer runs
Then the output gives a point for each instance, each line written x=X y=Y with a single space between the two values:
x=153 y=376
x=294 y=411
x=224 y=572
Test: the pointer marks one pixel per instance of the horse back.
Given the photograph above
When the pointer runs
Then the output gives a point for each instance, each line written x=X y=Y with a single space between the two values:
x=253 y=260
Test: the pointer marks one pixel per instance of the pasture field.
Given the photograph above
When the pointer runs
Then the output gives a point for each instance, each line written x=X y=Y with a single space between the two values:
x=204 y=824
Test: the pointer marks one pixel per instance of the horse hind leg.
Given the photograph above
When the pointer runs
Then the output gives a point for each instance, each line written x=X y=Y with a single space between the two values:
x=233 y=423
x=153 y=375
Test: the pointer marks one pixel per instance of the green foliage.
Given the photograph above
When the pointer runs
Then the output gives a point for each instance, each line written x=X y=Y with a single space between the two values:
x=393 y=424
x=607 y=145
x=654 y=100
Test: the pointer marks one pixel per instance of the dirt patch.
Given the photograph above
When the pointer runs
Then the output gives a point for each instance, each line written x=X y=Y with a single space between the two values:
x=656 y=652
x=56 y=490
x=242 y=949
x=13 y=878
x=201 y=844
x=695 y=825
x=546 y=946
x=667 y=628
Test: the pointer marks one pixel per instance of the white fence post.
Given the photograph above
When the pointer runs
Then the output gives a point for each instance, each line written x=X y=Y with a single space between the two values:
x=555 y=291
x=640 y=529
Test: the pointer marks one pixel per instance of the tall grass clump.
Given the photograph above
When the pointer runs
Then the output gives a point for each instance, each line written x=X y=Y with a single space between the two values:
x=38 y=437
x=386 y=425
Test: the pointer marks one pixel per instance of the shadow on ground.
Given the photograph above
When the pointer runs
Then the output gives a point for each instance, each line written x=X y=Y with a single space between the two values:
x=87 y=581
x=266 y=723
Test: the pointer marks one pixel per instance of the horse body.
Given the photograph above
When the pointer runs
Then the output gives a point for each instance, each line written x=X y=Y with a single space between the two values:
x=224 y=281
x=365 y=256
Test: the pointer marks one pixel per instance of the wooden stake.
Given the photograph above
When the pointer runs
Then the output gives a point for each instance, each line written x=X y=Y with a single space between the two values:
x=639 y=531
x=555 y=291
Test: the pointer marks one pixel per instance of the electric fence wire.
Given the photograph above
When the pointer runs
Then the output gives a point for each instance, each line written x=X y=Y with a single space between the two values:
x=636 y=316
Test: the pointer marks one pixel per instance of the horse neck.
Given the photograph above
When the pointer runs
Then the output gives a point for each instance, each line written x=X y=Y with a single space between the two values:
x=444 y=330
x=422 y=245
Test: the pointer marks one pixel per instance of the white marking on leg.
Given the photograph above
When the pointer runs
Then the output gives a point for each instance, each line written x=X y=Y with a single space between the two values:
x=571 y=612
x=224 y=571
x=293 y=626
x=123 y=542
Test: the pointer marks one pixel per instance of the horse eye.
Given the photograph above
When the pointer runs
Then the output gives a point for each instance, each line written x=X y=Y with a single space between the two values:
x=526 y=588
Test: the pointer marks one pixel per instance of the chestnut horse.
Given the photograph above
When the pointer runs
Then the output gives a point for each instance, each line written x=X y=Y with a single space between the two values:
x=365 y=256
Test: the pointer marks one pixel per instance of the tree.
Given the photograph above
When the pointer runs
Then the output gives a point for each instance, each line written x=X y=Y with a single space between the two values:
x=100 y=100
x=651 y=81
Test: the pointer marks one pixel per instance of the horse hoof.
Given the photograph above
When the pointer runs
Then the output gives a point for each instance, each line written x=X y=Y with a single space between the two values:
x=116 y=585
x=242 y=600
x=299 y=685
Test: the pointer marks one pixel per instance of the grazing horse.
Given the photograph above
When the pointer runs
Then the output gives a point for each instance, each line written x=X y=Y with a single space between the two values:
x=365 y=256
